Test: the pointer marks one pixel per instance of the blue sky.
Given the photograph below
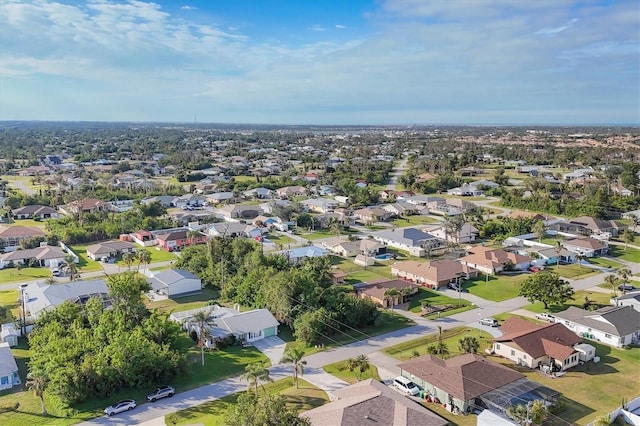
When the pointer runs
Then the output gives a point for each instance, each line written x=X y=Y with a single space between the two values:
x=322 y=62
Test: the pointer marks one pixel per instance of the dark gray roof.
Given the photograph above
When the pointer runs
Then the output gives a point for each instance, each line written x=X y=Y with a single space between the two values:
x=410 y=236
x=618 y=320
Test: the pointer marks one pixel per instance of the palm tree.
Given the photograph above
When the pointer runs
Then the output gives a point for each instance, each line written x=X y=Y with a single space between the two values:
x=558 y=248
x=538 y=412
x=192 y=235
x=390 y=295
x=70 y=267
x=203 y=320
x=143 y=257
x=294 y=357
x=624 y=274
x=469 y=344
x=362 y=362
x=128 y=259
x=636 y=221
x=439 y=348
x=37 y=383
x=254 y=373
x=580 y=257
x=351 y=364
x=628 y=237
x=612 y=281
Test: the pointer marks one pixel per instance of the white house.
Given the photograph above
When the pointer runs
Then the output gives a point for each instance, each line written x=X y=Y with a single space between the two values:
x=615 y=326
x=630 y=299
x=175 y=283
x=40 y=297
x=587 y=246
x=412 y=240
x=47 y=256
x=9 y=376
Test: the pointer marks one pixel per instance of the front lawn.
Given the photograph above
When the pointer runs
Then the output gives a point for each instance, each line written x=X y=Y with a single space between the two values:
x=15 y=275
x=340 y=370
x=435 y=298
x=219 y=365
x=405 y=350
x=593 y=389
x=629 y=254
x=605 y=262
x=497 y=287
x=572 y=271
x=387 y=321
x=595 y=297
x=304 y=398
x=184 y=303
x=414 y=220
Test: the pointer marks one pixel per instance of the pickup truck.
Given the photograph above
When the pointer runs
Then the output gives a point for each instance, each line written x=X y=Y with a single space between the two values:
x=545 y=316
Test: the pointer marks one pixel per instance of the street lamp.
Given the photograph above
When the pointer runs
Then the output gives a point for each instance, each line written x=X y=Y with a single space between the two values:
x=23 y=319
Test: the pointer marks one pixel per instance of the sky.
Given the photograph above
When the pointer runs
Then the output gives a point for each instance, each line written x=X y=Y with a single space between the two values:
x=322 y=61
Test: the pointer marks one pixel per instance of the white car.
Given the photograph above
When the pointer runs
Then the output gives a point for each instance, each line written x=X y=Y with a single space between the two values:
x=405 y=385
x=545 y=316
x=120 y=406
x=161 y=392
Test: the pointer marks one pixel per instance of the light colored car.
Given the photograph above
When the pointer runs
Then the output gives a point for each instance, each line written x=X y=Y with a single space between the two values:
x=120 y=406
x=491 y=322
x=161 y=392
x=406 y=385
x=545 y=316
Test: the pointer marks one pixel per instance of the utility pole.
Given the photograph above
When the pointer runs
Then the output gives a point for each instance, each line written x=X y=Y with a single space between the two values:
x=23 y=315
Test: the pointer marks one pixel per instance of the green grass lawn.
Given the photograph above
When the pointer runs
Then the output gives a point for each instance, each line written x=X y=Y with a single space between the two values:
x=280 y=239
x=572 y=271
x=15 y=275
x=592 y=389
x=497 y=288
x=605 y=262
x=322 y=233
x=218 y=365
x=356 y=273
x=30 y=222
x=387 y=322
x=630 y=254
x=157 y=255
x=8 y=305
x=404 y=351
x=244 y=178
x=340 y=370
x=435 y=298
x=303 y=398
x=184 y=303
x=414 y=220
x=595 y=297
x=85 y=263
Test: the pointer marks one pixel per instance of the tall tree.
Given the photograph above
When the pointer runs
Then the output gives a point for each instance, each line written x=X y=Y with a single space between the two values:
x=128 y=259
x=256 y=373
x=628 y=237
x=624 y=274
x=268 y=410
x=546 y=287
x=294 y=357
x=613 y=282
x=558 y=249
x=540 y=229
x=70 y=267
x=203 y=320
x=37 y=383
x=144 y=258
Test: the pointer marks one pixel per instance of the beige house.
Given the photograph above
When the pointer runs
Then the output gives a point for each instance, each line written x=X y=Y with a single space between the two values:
x=493 y=261
x=533 y=345
x=434 y=274
x=387 y=293
x=373 y=214
x=586 y=246
x=110 y=249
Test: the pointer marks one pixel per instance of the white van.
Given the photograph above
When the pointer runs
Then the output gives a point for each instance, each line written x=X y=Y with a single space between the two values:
x=406 y=385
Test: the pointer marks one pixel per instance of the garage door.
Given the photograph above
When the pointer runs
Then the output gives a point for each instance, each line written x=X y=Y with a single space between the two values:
x=270 y=331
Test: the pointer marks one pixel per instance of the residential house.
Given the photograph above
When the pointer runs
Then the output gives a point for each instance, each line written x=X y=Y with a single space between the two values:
x=40 y=297
x=466 y=190
x=630 y=299
x=434 y=274
x=615 y=326
x=9 y=334
x=390 y=194
x=484 y=183
x=178 y=239
x=249 y=326
x=549 y=256
x=401 y=208
x=11 y=236
x=467 y=234
x=320 y=205
x=174 y=283
x=342 y=248
x=144 y=238
x=110 y=249
x=621 y=190
x=424 y=200
x=490 y=418
x=272 y=206
x=371 y=248
x=534 y=345
x=586 y=225
x=88 y=205
x=372 y=214
x=493 y=261
x=450 y=207
x=371 y=402
x=579 y=175
x=586 y=246
x=258 y=193
x=189 y=200
x=466 y=382
x=240 y=211
x=386 y=293
x=233 y=230
x=301 y=253
x=47 y=256
x=416 y=242
x=35 y=212
x=9 y=376
x=164 y=200
x=35 y=171
x=220 y=197
x=291 y=191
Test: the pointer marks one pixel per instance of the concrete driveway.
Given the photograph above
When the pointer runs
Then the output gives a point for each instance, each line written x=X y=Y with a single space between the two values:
x=272 y=347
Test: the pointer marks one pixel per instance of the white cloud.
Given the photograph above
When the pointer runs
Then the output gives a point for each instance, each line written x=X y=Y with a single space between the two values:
x=187 y=7
x=317 y=27
x=557 y=30
x=340 y=27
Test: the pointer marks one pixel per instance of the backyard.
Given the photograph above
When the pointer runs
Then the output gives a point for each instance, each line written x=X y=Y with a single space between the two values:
x=496 y=287
x=303 y=398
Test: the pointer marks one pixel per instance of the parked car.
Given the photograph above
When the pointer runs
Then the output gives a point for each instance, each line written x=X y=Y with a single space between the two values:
x=626 y=287
x=161 y=392
x=456 y=287
x=55 y=272
x=545 y=316
x=491 y=322
x=120 y=406
x=406 y=385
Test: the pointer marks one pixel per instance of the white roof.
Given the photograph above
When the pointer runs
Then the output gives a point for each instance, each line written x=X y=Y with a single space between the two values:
x=41 y=296
x=7 y=362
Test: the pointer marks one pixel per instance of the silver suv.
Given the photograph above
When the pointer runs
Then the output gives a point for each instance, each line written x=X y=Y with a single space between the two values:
x=491 y=322
x=161 y=392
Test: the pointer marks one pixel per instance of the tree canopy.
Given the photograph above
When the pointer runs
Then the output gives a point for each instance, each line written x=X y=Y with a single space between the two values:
x=546 y=287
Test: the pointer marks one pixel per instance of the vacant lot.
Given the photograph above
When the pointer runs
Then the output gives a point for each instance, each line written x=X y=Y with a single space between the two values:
x=595 y=297
x=15 y=275
x=572 y=271
x=340 y=370
x=629 y=254
x=304 y=398
x=434 y=299
x=414 y=220
x=496 y=288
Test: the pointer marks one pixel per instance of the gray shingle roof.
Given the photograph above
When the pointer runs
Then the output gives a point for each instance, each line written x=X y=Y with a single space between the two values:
x=617 y=320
